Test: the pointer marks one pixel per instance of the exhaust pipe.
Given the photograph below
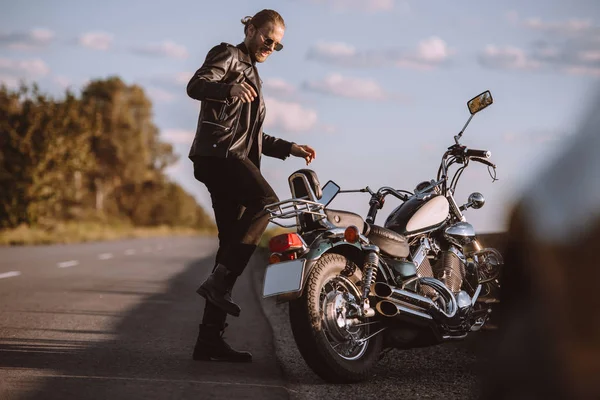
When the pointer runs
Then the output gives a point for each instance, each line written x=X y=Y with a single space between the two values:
x=388 y=308
x=413 y=303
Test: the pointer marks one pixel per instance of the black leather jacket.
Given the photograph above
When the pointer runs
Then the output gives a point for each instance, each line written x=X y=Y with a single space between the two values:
x=225 y=127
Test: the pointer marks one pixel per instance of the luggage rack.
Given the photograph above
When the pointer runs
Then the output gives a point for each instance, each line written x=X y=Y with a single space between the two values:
x=293 y=208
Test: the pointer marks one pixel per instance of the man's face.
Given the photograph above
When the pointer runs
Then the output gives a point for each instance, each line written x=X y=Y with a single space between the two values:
x=255 y=41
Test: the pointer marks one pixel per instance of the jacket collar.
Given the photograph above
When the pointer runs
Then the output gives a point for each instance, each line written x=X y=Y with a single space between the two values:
x=243 y=54
x=250 y=72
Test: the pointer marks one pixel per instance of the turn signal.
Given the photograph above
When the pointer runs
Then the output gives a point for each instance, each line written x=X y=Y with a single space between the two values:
x=275 y=258
x=351 y=234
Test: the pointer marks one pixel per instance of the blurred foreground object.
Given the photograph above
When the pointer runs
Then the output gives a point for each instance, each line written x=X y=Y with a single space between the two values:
x=548 y=345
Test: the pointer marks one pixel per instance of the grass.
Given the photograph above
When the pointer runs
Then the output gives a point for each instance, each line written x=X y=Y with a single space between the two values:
x=71 y=232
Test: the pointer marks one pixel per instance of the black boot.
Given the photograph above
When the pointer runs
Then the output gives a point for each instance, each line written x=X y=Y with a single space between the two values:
x=210 y=346
x=217 y=290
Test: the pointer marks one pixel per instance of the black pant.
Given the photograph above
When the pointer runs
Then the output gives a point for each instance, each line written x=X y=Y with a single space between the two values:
x=239 y=194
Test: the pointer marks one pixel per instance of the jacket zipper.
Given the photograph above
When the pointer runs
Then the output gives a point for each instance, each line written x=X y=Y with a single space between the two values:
x=222 y=113
x=223 y=105
x=226 y=129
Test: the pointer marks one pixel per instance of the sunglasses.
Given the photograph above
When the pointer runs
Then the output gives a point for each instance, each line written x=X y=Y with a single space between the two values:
x=268 y=41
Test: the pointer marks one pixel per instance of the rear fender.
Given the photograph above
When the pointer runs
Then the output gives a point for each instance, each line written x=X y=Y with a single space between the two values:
x=352 y=251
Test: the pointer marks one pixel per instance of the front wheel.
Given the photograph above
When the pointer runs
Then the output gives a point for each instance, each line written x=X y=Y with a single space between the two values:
x=336 y=346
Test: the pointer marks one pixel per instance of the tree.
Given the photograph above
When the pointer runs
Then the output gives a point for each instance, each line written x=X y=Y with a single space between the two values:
x=44 y=145
x=61 y=159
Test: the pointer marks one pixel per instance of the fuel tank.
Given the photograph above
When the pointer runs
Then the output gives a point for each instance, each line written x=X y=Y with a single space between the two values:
x=419 y=214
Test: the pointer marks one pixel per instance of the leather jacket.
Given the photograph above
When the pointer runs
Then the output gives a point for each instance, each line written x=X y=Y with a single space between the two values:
x=225 y=125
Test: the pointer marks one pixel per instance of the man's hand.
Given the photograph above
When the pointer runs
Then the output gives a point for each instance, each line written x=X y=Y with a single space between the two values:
x=304 y=151
x=244 y=91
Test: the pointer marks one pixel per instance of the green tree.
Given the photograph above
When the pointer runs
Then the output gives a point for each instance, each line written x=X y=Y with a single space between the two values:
x=99 y=154
x=45 y=146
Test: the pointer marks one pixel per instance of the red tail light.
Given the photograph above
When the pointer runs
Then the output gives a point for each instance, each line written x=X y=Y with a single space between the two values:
x=285 y=242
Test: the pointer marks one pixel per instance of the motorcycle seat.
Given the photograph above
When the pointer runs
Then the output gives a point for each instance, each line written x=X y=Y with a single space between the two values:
x=388 y=241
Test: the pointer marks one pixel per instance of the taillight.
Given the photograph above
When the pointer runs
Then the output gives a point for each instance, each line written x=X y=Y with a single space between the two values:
x=285 y=242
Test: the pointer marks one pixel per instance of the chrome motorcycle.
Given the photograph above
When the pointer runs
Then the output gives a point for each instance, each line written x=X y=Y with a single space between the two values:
x=356 y=288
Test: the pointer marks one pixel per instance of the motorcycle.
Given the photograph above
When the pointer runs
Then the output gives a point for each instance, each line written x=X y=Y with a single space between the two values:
x=355 y=288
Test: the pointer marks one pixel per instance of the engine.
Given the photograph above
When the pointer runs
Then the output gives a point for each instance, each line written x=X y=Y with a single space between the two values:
x=450 y=270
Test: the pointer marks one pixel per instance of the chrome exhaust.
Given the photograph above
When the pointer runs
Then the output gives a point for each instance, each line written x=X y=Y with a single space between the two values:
x=389 y=308
x=413 y=303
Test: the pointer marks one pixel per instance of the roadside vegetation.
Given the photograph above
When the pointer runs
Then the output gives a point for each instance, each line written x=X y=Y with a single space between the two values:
x=88 y=167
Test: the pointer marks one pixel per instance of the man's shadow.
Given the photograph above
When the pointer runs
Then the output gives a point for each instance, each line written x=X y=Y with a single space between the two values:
x=150 y=355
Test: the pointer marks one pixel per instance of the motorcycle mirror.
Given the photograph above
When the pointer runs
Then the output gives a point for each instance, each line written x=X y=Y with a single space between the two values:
x=330 y=190
x=480 y=102
x=475 y=105
x=476 y=200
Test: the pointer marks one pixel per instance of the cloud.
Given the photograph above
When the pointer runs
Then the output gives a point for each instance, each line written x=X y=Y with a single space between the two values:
x=12 y=71
x=428 y=54
x=278 y=87
x=582 y=70
x=507 y=57
x=33 y=68
x=571 y=46
x=96 y=40
x=289 y=116
x=159 y=95
x=354 y=88
x=9 y=81
x=568 y=27
x=165 y=49
x=360 y=5
x=178 y=136
x=536 y=136
x=27 y=40
x=62 y=81
x=172 y=83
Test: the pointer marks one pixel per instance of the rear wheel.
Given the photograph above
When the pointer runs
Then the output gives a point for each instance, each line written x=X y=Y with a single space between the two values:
x=335 y=345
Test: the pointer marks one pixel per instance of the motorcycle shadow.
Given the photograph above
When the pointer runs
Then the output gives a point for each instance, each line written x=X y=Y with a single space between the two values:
x=446 y=371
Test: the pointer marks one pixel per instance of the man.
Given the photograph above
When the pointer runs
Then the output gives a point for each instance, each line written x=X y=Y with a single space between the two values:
x=226 y=153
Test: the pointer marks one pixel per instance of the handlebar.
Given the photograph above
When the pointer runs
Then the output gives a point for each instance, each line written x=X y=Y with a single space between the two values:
x=478 y=153
x=484 y=161
x=384 y=191
x=378 y=198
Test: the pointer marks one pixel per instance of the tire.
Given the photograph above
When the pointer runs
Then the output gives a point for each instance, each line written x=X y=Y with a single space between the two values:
x=311 y=333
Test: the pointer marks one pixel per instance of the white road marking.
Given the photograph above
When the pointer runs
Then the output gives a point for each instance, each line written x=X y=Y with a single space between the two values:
x=176 y=381
x=129 y=252
x=9 y=274
x=105 y=256
x=67 y=264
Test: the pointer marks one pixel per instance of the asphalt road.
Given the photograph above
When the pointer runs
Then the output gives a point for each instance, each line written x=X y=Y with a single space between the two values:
x=118 y=320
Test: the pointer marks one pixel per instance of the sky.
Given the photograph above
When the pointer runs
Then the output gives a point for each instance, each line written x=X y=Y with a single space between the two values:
x=377 y=87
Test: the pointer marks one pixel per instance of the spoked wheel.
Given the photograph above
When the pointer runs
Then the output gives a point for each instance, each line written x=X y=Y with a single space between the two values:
x=337 y=300
x=335 y=344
